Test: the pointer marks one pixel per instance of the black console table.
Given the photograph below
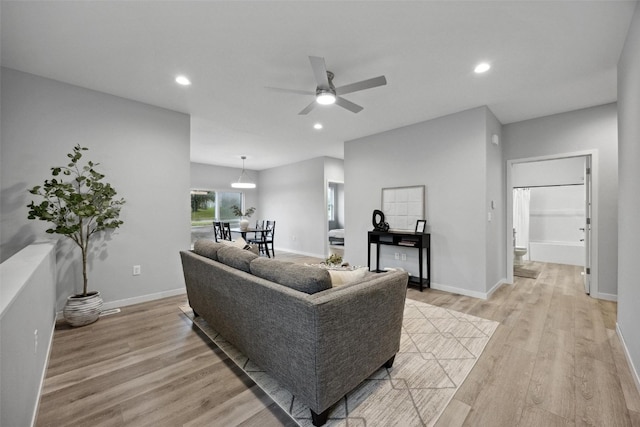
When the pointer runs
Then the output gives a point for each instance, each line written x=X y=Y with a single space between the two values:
x=406 y=239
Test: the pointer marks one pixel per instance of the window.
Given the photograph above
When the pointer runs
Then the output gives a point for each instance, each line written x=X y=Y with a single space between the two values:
x=207 y=206
x=203 y=207
x=331 y=202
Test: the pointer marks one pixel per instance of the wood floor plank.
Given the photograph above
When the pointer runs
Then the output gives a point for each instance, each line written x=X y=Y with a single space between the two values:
x=628 y=385
x=509 y=384
x=537 y=417
x=599 y=398
x=552 y=386
x=149 y=366
x=454 y=414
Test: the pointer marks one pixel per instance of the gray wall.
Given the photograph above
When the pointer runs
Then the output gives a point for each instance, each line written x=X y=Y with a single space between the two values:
x=449 y=156
x=629 y=195
x=495 y=252
x=588 y=129
x=295 y=197
x=144 y=152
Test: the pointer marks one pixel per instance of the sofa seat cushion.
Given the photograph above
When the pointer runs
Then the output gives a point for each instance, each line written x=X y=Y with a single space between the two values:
x=207 y=248
x=236 y=257
x=300 y=277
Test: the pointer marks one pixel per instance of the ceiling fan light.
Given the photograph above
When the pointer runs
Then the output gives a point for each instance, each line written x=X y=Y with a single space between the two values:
x=325 y=98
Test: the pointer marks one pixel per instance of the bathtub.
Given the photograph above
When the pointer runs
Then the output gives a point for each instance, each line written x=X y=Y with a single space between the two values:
x=572 y=253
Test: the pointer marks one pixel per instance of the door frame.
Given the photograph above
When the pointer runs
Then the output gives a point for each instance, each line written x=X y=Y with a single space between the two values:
x=594 y=210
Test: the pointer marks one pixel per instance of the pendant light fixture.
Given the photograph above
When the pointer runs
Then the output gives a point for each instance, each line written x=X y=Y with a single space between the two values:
x=243 y=181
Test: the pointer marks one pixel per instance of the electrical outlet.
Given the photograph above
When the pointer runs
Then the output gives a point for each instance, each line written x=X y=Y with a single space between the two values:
x=293 y=238
x=404 y=257
x=35 y=341
x=136 y=270
x=397 y=255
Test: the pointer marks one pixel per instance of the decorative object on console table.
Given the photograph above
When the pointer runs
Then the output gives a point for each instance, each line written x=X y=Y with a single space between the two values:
x=378 y=221
x=420 y=241
x=421 y=225
x=81 y=209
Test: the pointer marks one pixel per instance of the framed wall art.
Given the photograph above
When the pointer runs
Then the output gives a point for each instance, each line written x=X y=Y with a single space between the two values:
x=403 y=206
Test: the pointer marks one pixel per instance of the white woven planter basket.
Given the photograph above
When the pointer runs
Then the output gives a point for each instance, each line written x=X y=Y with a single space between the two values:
x=80 y=311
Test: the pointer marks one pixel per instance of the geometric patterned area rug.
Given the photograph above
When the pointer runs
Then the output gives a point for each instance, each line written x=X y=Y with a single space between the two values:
x=438 y=349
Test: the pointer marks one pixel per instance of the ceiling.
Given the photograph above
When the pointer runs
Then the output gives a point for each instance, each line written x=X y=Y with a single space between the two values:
x=546 y=58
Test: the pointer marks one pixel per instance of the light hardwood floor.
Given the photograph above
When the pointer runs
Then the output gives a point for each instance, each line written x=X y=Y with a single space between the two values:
x=554 y=360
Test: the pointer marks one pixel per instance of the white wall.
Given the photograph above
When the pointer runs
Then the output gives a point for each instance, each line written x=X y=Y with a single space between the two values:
x=449 y=156
x=27 y=319
x=629 y=196
x=557 y=214
x=576 y=131
x=144 y=153
x=295 y=197
x=565 y=171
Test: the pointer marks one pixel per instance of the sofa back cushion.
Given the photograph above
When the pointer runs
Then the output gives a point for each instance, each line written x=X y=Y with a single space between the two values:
x=207 y=248
x=300 y=277
x=236 y=257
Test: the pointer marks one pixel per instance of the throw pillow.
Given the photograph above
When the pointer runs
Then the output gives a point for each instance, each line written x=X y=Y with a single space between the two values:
x=344 y=277
x=242 y=244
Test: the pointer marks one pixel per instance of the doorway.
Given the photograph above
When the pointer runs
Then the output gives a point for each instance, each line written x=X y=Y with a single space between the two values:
x=559 y=225
x=335 y=218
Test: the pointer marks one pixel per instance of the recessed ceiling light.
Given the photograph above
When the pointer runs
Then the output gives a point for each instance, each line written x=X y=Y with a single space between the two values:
x=183 y=80
x=482 y=67
x=317 y=126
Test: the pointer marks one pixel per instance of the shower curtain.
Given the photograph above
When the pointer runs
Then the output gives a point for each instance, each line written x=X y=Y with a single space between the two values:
x=521 y=201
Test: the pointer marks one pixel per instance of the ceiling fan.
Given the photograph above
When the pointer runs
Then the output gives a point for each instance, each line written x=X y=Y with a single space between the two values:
x=326 y=93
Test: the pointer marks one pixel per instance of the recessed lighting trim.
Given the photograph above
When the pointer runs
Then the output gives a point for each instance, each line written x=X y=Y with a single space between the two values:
x=482 y=67
x=183 y=80
x=318 y=126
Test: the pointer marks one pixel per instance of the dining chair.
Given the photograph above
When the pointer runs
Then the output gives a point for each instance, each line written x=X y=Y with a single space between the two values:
x=221 y=231
x=266 y=238
x=226 y=231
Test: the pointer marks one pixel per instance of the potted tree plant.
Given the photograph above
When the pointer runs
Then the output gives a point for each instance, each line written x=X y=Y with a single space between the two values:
x=79 y=208
x=244 y=222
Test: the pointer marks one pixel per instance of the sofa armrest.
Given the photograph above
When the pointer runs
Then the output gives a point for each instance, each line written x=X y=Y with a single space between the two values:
x=358 y=329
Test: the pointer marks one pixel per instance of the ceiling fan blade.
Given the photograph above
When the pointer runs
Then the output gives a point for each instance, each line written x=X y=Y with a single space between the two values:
x=296 y=91
x=308 y=108
x=320 y=71
x=354 y=108
x=361 y=85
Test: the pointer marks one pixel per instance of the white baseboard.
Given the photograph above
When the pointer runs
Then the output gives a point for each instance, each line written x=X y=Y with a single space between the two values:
x=632 y=368
x=143 y=298
x=460 y=291
x=137 y=300
x=608 y=297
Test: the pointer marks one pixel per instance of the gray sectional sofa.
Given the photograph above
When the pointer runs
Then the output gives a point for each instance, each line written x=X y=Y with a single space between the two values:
x=317 y=341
